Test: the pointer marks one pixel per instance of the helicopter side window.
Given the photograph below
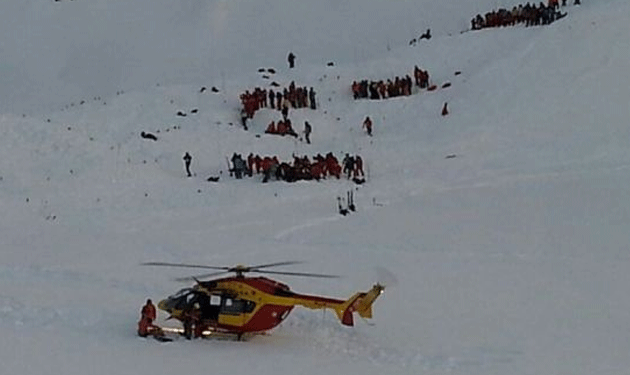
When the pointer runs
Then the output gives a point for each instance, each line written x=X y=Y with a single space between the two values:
x=215 y=300
x=228 y=304
x=249 y=306
x=237 y=306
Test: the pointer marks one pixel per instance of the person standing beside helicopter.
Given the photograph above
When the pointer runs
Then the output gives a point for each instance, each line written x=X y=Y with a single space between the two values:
x=192 y=322
x=148 y=315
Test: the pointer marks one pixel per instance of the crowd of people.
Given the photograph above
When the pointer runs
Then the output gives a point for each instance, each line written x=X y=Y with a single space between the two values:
x=301 y=168
x=528 y=14
x=399 y=86
x=253 y=101
x=292 y=96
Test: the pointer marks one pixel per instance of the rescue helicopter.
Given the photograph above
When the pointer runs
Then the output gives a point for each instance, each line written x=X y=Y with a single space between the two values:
x=248 y=305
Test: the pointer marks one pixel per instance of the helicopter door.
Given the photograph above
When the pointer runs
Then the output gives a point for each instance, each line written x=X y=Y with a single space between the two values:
x=215 y=307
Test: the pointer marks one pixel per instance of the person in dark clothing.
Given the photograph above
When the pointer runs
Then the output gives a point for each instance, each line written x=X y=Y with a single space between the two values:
x=285 y=112
x=278 y=100
x=239 y=166
x=367 y=124
x=291 y=60
x=192 y=322
x=374 y=95
x=358 y=167
x=307 y=132
x=348 y=165
x=187 y=161
x=244 y=117
x=311 y=99
x=445 y=109
x=426 y=35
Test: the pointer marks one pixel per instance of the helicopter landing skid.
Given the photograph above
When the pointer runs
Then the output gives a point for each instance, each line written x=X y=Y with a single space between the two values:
x=211 y=334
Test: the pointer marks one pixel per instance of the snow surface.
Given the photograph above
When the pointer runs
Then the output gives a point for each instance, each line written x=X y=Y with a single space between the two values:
x=510 y=258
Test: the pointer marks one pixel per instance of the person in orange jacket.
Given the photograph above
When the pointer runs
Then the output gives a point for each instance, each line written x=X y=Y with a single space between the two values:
x=148 y=315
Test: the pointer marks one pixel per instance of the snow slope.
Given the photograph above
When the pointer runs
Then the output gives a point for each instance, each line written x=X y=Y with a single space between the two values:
x=510 y=258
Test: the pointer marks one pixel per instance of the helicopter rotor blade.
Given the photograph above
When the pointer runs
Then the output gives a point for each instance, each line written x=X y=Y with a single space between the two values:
x=301 y=274
x=198 y=277
x=183 y=265
x=287 y=263
x=238 y=269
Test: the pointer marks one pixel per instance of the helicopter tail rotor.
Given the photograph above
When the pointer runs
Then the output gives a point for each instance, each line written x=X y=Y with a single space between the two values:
x=386 y=277
x=361 y=303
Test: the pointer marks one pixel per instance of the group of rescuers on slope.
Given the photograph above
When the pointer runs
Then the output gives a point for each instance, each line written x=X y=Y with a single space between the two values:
x=148 y=314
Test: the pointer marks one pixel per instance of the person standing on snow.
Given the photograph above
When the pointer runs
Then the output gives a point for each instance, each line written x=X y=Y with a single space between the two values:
x=244 y=117
x=311 y=99
x=187 y=161
x=367 y=124
x=279 y=100
x=147 y=315
x=272 y=98
x=348 y=165
x=285 y=110
x=307 y=132
x=358 y=166
x=291 y=60
x=192 y=322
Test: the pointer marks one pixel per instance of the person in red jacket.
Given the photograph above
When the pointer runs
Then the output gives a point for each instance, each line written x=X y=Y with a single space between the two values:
x=271 y=128
x=148 y=315
x=281 y=128
x=445 y=109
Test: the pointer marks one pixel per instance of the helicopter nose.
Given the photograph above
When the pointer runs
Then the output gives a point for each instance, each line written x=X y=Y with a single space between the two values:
x=164 y=305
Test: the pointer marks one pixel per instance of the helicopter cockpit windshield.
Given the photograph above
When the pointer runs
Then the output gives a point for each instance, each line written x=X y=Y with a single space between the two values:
x=181 y=293
x=180 y=300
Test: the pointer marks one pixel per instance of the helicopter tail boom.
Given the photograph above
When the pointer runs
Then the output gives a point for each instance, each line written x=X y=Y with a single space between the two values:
x=361 y=303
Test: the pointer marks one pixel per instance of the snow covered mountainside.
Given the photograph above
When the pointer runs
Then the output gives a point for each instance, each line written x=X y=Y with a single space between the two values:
x=505 y=223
